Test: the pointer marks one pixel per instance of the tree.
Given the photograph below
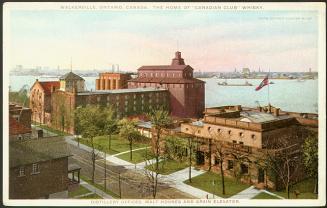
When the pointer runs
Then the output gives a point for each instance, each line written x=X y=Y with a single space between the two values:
x=128 y=131
x=111 y=124
x=221 y=154
x=159 y=120
x=283 y=159
x=310 y=158
x=90 y=123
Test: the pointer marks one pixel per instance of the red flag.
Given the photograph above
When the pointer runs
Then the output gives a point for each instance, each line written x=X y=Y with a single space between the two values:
x=264 y=82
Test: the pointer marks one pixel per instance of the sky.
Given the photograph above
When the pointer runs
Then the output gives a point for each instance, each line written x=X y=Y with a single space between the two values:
x=208 y=40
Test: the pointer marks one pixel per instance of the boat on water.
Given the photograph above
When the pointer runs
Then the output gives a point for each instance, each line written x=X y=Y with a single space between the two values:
x=271 y=82
x=226 y=84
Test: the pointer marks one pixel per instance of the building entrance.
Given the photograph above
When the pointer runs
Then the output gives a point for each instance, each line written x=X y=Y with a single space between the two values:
x=199 y=158
x=261 y=176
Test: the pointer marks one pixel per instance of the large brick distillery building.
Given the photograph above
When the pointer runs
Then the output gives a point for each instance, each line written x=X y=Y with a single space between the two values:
x=126 y=102
x=186 y=93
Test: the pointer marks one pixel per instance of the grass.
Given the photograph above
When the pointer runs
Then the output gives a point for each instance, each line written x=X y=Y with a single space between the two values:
x=264 y=195
x=168 y=166
x=137 y=156
x=58 y=132
x=305 y=188
x=81 y=190
x=91 y=196
x=88 y=180
x=204 y=182
x=118 y=144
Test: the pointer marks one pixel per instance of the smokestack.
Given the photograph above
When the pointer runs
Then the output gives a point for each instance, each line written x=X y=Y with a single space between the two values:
x=276 y=111
x=238 y=107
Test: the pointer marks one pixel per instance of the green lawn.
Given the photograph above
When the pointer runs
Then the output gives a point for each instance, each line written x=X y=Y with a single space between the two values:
x=204 y=182
x=88 y=180
x=264 y=195
x=118 y=144
x=137 y=156
x=305 y=188
x=91 y=196
x=81 y=190
x=168 y=166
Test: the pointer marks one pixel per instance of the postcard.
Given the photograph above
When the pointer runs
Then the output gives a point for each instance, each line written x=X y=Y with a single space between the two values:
x=164 y=104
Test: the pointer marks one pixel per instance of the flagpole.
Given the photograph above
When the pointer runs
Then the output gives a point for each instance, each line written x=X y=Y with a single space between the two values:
x=268 y=87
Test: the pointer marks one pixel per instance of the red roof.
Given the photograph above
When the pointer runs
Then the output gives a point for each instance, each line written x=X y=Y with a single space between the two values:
x=16 y=128
x=48 y=85
x=166 y=80
x=164 y=67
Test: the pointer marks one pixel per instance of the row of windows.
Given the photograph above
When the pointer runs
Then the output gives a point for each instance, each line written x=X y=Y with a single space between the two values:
x=161 y=74
x=241 y=134
x=127 y=96
x=230 y=165
x=35 y=170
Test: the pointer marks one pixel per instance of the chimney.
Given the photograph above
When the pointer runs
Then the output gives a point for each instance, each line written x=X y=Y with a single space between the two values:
x=238 y=107
x=276 y=111
x=269 y=108
x=53 y=88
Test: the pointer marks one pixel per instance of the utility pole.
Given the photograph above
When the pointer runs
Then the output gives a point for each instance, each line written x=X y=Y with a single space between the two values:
x=119 y=185
x=105 y=171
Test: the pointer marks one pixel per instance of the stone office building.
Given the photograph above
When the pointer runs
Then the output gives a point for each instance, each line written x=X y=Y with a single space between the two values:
x=126 y=102
x=246 y=135
x=186 y=93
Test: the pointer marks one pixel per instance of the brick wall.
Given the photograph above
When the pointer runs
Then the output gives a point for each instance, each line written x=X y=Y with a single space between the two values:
x=53 y=177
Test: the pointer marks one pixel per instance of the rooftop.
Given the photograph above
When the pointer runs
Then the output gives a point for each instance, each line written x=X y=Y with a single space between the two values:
x=71 y=76
x=260 y=117
x=119 y=91
x=48 y=85
x=166 y=80
x=16 y=128
x=37 y=150
x=164 y=67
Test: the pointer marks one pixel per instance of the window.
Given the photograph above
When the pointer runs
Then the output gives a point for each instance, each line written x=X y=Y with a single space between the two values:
x=241 y=134
x=209 y=128
x=217 y=160
x=35 y=168
x=234 y=142
x=126 y=102
x=20 y=137
x=253 y=136
x=108 y=98
x=218 y=130
x=242 y=143
x=229 y=132
x=21 y=171
x=244 y=169
x=199 y=131
x=230 y=164
x=186 y=129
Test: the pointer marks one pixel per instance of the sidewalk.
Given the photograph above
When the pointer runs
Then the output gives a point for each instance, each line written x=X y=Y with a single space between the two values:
x=175 y=179
x=95 y=190
x=248 y=193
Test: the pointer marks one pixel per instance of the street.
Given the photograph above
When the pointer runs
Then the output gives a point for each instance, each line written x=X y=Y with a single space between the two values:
x=134 y=184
